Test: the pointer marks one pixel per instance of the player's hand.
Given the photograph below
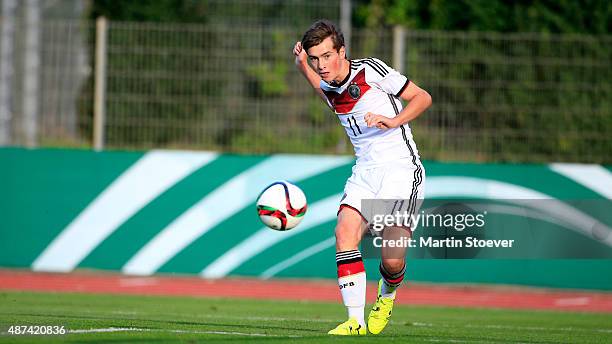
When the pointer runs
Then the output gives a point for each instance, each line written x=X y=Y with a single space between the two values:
x=300 y=54
x=380 y=121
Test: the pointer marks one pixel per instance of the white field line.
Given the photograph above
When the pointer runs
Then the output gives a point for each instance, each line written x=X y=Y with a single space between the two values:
x=335 y=321
x=109 y=329
x=232 y=333
x=137 y=329
x=448 y=340
x=417 y=324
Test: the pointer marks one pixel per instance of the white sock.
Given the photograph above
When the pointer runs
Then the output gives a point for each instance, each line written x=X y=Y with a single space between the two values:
x=352 y=283
x=357 y=313
x=386 y=290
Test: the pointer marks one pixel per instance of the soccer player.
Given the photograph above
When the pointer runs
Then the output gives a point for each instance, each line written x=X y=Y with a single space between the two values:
x=365 y=94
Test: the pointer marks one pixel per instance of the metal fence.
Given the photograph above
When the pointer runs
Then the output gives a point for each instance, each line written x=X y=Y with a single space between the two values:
x=518 y=97
x=497 y=97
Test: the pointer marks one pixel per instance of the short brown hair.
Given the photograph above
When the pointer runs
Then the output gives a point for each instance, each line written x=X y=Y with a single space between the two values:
x=319 y=31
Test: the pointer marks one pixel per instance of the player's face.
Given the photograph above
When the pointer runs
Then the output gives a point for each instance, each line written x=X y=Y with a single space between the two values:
x=326 y=60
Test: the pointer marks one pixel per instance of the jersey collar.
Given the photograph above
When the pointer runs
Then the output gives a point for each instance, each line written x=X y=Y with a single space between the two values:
x=348 y=76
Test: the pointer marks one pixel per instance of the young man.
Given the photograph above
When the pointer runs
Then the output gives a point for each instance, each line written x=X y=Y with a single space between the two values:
x=365 y=94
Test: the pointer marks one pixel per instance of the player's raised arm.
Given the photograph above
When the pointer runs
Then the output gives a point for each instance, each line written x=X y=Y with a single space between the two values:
x=301 y=62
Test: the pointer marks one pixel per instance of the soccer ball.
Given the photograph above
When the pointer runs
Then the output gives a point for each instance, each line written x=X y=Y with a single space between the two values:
x=281 y=205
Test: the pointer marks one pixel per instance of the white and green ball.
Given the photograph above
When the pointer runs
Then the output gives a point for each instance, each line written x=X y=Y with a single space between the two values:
x=281 y=205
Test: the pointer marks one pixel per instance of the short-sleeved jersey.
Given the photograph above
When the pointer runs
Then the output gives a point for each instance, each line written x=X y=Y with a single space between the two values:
x=372 y=86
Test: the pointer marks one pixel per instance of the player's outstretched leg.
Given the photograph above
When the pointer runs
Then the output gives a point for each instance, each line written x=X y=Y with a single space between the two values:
x=351 y=273
x=382 y=309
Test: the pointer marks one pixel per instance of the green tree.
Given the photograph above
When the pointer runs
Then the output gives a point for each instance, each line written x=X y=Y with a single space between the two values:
x=553 y=16
x=192 y=11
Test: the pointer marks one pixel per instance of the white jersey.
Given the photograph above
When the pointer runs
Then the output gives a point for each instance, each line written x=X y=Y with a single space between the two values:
x=372 y=86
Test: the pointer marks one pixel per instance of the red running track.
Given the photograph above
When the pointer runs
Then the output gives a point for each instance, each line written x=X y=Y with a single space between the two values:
x=412 y=294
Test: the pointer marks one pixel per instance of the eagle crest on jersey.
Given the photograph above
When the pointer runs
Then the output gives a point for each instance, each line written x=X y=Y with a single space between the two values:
x=345 y=101
x=354 y=90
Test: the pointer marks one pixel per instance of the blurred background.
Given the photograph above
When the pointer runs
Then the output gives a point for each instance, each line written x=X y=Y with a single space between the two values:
x=135 y=136
x=518 y=81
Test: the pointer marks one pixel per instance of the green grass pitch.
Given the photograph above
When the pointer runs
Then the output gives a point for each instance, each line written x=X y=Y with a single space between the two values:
x=155 y=319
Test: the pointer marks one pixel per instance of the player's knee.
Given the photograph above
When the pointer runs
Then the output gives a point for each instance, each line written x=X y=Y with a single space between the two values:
x=347 y=238
x=393 y=265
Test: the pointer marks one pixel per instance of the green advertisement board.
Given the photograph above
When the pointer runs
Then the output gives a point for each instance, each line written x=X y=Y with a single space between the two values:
x=184 y=212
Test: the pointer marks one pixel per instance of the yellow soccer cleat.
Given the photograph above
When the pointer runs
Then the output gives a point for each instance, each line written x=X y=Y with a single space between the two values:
x=380 y=313
x=349 y=328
